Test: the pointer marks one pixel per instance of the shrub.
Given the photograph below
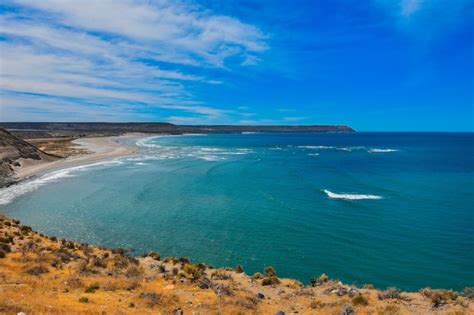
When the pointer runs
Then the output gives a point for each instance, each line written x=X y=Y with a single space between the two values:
x=192 y=271
x=468 y=293
x=5 y=247
x=3 y=254
x=323 y=278
x=83 y=299
x=184 y=260
x=154 y=255
x=92 y=287
x=239 y=269
x=132 y=271
x=221 y=275
x=270 y=280
x=360 y=300
x=153 y=298
x=389 y=310
x=439 y=297
x=257 y=275
x=25 y=229
x=390 y=293
x=37 y=270
x=270 y=271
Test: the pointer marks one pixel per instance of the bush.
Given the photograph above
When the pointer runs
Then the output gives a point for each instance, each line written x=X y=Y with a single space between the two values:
x=468 y=293
x=239 y=269
x=319 y=280
x=153 y=298
x=154 y=255
x=3 y=254
x=439 y=297
x=257 y=275
x=37 y=270
x=390 y=293
x=184 y=260
x=133 y=271
x=360 y=300
x=92 y=287
x=5 y=247
x=270 y=271
x=83 y=299
x=192 y=271
x=25 y=229
x=270 y=280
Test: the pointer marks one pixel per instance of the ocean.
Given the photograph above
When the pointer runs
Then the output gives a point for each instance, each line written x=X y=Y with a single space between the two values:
x=390 y=209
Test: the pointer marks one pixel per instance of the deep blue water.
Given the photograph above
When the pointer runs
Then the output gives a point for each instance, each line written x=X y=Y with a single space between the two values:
x=284 y=199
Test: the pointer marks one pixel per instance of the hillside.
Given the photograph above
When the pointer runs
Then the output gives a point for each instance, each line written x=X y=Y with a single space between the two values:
x=12 y=150
x=40 y=274
x=29 y=130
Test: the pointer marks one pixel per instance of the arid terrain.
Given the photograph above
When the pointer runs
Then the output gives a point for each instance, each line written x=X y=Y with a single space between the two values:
x=41 y=274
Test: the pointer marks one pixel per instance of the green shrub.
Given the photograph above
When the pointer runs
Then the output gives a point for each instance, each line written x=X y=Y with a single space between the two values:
x=360 y=300
x=270 y=280
x=192 y=271
x=3 y=254
x=37 y=270
x=92 y=287
x=270 y=271
x=84 y=299
x=239 y=269
x=257 y=275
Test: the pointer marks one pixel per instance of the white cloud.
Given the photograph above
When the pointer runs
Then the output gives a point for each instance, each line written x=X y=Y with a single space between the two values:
x=80 y=54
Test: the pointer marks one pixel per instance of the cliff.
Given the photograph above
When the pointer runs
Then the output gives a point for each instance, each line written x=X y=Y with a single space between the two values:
x=12 y=150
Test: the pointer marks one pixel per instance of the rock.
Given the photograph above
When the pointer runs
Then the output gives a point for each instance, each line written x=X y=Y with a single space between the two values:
x=178 y=311
x=280 y=313
x=348 y=310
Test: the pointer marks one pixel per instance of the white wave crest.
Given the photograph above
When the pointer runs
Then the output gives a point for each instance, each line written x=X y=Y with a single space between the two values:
x=313 y=154
x=8 y=194
x=382 y=150
x=332 y=195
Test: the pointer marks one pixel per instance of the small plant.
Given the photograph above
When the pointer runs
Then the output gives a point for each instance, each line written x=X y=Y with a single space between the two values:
x=270 y=271
x=257 y=275
x=360 y=300
x=270 y=280
x=239 y=269
x=132 y=272
x=37 y=270
x=192 y=271
x=154 y=255
x=323 y=278
x=92 y=287
x=153 y=298
x=439 y=297
x=83 y=299
x=3 y=254
x=390 y=293
x=468 y=292
x=5 y=247
x=131 y=305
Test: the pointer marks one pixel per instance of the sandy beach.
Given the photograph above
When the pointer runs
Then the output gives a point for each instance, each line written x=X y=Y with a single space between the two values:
x=99 y=149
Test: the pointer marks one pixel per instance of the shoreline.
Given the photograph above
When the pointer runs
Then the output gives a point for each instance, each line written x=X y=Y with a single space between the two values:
x=99 y=148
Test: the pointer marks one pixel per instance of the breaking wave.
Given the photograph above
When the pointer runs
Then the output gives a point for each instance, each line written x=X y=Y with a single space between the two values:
x=382 y=150
x=332 y=195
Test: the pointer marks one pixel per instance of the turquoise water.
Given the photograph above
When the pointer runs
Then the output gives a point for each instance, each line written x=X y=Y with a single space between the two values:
x=391 y=209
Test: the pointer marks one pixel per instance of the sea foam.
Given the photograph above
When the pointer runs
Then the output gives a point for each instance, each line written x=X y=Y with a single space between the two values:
x=332 y=195
x=381 y=150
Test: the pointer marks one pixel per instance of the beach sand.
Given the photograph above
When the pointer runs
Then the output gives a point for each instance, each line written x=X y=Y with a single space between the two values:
x=98 y=149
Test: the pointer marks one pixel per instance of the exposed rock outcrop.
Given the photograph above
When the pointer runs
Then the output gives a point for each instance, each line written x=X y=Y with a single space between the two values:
x=12 y=150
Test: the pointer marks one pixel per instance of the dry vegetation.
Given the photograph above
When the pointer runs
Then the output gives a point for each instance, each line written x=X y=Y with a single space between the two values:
x=40 y=274
x=60 y=147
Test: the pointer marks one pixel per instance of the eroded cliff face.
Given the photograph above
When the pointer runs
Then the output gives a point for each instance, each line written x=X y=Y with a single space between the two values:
x=12 y=150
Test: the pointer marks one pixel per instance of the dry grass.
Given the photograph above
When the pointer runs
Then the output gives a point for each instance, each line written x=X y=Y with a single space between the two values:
x=42 y=274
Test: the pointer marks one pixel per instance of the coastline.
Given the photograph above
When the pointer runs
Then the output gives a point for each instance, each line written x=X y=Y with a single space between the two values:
x=99 y=148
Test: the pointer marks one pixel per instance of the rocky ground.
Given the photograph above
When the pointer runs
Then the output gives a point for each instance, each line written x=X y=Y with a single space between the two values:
x=12 y=151
x=40 y=274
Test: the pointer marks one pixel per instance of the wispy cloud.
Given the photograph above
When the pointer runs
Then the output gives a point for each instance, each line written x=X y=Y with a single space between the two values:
x=125 y=56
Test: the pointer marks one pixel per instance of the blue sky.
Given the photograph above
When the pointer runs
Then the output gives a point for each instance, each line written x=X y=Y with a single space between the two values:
x=373 y=64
